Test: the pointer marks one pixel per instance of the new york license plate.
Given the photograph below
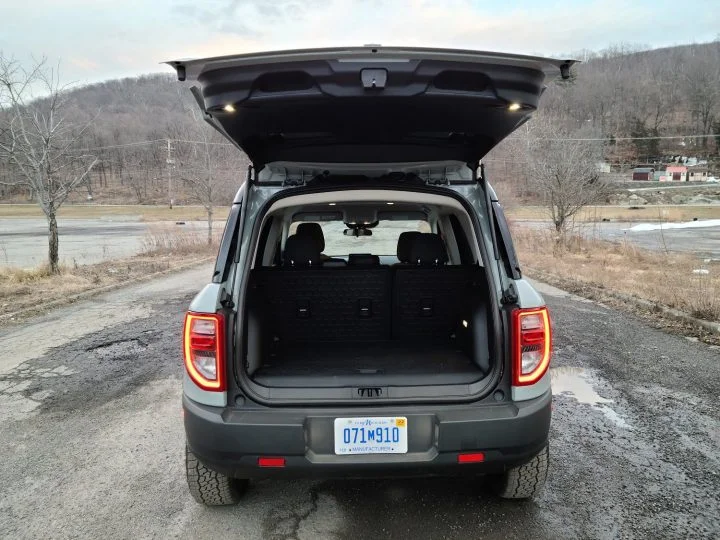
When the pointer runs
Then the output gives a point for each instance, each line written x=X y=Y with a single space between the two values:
x=382 y=435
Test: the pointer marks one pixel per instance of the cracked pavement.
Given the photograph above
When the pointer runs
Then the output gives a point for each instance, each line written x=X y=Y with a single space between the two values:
x=92 y=439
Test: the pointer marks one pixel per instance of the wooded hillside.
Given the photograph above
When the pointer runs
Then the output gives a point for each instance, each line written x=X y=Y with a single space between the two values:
x=612 y=96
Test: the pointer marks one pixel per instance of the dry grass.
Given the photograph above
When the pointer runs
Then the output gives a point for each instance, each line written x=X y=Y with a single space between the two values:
x=624 y=213
x=196 y=213
x=667 y=279
x=143 y=212
x=163 y=239
x=164 y=249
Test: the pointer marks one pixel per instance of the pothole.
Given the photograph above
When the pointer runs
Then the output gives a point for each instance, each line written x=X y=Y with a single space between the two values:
x=118 y=348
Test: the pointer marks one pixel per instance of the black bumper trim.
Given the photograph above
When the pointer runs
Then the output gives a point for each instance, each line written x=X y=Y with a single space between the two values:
x=230 y=440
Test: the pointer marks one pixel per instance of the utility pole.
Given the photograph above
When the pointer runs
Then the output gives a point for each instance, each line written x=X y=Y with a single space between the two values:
x=169 y=160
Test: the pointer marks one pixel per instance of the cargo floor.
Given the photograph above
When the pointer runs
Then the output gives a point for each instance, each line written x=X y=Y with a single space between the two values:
x=353 y=364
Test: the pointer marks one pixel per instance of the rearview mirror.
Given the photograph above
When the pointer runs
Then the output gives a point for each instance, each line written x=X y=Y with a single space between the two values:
x=357 y=232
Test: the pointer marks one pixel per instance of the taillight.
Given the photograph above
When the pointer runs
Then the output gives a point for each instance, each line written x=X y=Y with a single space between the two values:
x=531 y=345
x=204 y=350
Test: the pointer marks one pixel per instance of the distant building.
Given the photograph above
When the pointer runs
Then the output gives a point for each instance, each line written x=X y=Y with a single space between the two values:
x=603 y=167
x=677 y=173
x=698 y=174
x=643 y=173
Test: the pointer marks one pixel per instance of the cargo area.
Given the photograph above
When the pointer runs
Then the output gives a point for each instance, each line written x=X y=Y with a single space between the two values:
x=321 y=322
x=390 y=363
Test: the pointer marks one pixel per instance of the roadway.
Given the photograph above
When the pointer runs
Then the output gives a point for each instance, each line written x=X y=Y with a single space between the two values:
x=93 y=439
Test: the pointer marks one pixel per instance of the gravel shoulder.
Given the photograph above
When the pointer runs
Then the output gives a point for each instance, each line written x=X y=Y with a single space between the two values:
x=93 y=440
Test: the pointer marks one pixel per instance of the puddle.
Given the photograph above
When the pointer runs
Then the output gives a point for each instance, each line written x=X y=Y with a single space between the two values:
x=575 y=382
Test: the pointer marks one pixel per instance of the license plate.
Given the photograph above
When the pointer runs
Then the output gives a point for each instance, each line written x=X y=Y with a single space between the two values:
x=386 y=435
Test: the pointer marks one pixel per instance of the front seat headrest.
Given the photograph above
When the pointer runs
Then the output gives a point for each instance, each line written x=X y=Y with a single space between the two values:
x=301 y=251
x=428 y=249
x=314 y=231
x=405 y=242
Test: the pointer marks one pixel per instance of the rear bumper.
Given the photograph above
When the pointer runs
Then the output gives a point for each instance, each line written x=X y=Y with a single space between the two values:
x=231 y=440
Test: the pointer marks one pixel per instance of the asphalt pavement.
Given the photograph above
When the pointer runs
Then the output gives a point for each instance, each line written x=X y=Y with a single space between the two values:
x=701 y=241
x=24 y=241
x=92 y=439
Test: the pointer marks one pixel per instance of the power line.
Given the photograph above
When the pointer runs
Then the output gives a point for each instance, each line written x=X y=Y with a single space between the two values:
x=204 y=142
x=138 y=143
x=569 y=139
x=659 y=137
x=152 y=141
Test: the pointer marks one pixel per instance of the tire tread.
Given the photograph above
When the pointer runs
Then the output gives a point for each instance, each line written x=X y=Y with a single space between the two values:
x=527 y=480
x=210 y=487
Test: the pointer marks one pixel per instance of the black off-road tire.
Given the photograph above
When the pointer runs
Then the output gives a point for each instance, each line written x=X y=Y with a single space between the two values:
x=525 y=481
x=211 y=487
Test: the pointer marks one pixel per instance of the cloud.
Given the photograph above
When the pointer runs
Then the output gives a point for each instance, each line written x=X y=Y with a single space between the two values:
x=260 y=12
x=234 y=27
x=105 y=38
x=188 y=10
x=83 y=63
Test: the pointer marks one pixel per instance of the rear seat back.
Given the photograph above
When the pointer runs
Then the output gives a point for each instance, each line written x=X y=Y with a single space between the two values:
x=324 y=304
x=429 y=303
x=430 y=299
x=304 y=302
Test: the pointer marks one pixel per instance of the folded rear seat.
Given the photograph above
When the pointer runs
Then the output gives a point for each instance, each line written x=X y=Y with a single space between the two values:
x=306 y=302
x=430 y=299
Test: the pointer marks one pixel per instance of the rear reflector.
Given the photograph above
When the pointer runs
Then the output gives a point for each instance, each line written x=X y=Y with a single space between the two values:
x=532 y=341
x=271 y=461
x=204 y=350
x=474 y=457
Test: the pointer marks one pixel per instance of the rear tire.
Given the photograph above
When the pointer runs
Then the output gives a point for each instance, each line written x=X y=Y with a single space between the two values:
x=524 y=481
x=210 y=487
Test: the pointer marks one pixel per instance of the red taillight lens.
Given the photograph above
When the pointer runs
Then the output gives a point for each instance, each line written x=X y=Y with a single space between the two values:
x=532 y=341
x=271 y=461
x=204 y=350
x=473 y=457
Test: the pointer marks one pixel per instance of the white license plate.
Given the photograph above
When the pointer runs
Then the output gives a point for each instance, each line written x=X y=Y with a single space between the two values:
x=386 y=435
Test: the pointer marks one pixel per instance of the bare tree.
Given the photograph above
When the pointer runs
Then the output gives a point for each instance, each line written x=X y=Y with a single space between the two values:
x=38 y=140
x=204 y=162
x=701 y=77
x=565 y=170
x=196 y=166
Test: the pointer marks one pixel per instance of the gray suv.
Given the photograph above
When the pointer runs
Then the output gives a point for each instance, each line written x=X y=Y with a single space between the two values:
x=367 y=314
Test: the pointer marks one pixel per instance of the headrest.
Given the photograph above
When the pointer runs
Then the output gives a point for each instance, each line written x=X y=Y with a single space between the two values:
x=405 y=242
x=363 y=259
x=314 y=231
x=428 y=249
x=301 y=251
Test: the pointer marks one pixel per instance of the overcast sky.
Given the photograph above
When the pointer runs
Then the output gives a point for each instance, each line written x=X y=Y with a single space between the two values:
x=101 y=39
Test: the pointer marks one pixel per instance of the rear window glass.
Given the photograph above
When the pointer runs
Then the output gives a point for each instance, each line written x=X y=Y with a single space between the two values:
x=383 y=241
